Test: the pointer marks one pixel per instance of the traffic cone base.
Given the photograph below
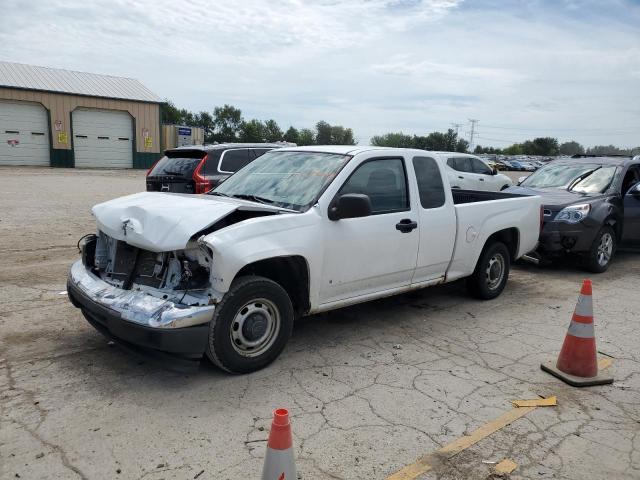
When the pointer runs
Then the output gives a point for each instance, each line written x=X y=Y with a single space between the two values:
x=574 y=381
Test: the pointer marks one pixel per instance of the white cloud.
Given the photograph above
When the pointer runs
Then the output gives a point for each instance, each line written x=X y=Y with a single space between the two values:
x=376 y=66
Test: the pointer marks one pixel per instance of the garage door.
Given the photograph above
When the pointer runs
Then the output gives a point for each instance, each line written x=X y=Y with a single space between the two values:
x=24 y=134
x=102 y=138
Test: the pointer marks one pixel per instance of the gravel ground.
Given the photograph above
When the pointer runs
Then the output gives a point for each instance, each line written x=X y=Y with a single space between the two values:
x=371 y=388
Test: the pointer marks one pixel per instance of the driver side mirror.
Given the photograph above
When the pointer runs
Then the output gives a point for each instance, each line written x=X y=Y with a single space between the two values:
x=494 y=171
x=350 y=205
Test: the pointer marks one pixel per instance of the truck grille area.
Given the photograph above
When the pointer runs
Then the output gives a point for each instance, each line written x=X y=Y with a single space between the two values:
x=123 y=265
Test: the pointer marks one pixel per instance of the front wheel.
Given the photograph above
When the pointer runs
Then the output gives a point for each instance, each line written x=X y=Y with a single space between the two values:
x=602 y=250
x=491 y=273
x=250 y=326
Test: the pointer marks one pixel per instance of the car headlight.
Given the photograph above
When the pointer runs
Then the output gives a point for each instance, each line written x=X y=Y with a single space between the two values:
x=573 y=214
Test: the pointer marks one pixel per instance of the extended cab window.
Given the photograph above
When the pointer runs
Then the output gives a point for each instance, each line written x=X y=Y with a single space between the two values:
x=384 y=181
x=430 y=184
x=234 y=160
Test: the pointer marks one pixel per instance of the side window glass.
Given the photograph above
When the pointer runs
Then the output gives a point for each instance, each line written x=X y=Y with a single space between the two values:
x=430 y=184
x=480 y=167
x=452 y=163
x=463 y=164
x=384 y=181
x=234 y=160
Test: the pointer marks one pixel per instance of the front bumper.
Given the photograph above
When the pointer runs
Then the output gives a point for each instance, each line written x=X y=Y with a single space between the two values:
x=559 y=237
x=139 y=319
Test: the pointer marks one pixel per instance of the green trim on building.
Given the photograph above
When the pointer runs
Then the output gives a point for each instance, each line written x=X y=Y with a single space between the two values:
x=144 y=159
x=62 y=158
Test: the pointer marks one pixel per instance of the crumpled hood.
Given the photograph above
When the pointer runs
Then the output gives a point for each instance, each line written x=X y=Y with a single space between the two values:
x=162 y=222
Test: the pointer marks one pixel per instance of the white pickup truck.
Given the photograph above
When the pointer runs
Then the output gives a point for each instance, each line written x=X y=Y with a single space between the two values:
x=296 y=232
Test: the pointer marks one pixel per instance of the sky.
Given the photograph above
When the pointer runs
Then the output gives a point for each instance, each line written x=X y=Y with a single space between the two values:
x=563 y=68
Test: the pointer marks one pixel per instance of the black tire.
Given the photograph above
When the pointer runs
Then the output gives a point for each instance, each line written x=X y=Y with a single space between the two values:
x=598 y=260
x=261 y=299
x=486 y=283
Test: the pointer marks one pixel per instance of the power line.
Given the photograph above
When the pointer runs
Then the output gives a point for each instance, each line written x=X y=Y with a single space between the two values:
x=456 y=126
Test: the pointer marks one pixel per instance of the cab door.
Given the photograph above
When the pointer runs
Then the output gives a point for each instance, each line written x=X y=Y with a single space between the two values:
x=376 y=253
x=461 y=173
x=437 y=219
x=631 y=228
x=483 y=175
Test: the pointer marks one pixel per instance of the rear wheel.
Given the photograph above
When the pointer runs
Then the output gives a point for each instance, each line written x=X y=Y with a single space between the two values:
x=602 y=250
x=491 y=273
x=250 y=326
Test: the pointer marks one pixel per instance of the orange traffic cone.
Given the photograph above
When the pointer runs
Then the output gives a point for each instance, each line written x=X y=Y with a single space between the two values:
x=279 y=462
x=577 y=363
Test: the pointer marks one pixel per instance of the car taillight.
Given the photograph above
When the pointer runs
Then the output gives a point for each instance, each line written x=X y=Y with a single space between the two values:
x=202 y=184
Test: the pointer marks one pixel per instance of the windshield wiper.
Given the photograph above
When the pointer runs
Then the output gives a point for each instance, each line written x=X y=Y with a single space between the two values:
x=253 y=198
x=580 y=178
x=220 y=194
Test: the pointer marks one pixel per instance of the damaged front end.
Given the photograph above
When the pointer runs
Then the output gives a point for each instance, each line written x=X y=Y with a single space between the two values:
x=161 y=301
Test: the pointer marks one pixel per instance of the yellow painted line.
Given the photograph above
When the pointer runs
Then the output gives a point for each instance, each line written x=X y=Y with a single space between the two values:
x=538 y=402
x=604 y=363
x=506 y=466
x=426 y=462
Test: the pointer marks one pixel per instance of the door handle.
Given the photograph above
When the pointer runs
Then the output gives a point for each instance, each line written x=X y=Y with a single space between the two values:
x=482 y=179
x=461 y=177
x=406 y=225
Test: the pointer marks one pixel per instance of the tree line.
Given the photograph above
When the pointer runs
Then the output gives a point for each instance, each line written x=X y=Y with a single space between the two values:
x=226 y=124
x=446 y=142
x=549 y=146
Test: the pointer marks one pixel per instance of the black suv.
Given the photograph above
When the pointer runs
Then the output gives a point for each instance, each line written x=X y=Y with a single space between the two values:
x=591 y=204
x=199 y=168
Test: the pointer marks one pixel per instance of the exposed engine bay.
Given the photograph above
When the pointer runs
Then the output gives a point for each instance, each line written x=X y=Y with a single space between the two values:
x=180 y=276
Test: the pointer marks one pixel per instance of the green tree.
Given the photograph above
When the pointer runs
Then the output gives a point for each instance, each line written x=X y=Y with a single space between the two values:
x=571 y=148
x=450 y=141
x=436 y=141
x=462 y=146
x=606 y=150
x=272 y=132
x=397 y=140
x=227 y=121
x=292 y=135
x=169 y=114
x=341 y=136
x=515 y=149
x=323 y=133
x=205 y=120
x=306 y=137
x=253 y=131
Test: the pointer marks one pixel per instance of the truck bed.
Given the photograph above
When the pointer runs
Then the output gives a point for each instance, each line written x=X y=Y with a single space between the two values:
x=472 y=196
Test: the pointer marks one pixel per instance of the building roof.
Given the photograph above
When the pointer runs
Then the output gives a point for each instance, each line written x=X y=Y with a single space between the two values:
x=29 y=77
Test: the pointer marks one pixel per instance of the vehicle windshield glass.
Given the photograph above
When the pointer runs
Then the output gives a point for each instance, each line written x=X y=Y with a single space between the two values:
x=291 y=180
x=583 y=178
x=177 y=163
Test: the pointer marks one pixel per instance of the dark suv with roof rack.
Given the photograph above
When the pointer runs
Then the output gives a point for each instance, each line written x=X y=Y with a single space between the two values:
x=591 y=204
x=199 y=168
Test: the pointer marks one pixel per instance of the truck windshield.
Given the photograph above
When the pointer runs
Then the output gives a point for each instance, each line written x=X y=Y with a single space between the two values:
x=292 y=180
x=583 y=178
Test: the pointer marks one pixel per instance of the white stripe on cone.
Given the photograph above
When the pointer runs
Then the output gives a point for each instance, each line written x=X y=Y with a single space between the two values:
x=584 y=307
x=581 y=330
x=279 y=465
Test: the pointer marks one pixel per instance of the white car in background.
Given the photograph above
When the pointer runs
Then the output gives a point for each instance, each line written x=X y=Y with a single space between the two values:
x=469 y=172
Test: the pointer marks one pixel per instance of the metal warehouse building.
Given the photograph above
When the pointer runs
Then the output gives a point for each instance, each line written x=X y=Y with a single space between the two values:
x=61 y=118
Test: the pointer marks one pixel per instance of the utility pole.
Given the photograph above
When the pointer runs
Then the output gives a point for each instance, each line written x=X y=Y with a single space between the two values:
x=473 y=129
x=456 y=126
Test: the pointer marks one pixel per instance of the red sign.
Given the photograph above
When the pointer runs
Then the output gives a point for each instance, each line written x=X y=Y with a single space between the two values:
x=13 y=142
x=58 y=124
